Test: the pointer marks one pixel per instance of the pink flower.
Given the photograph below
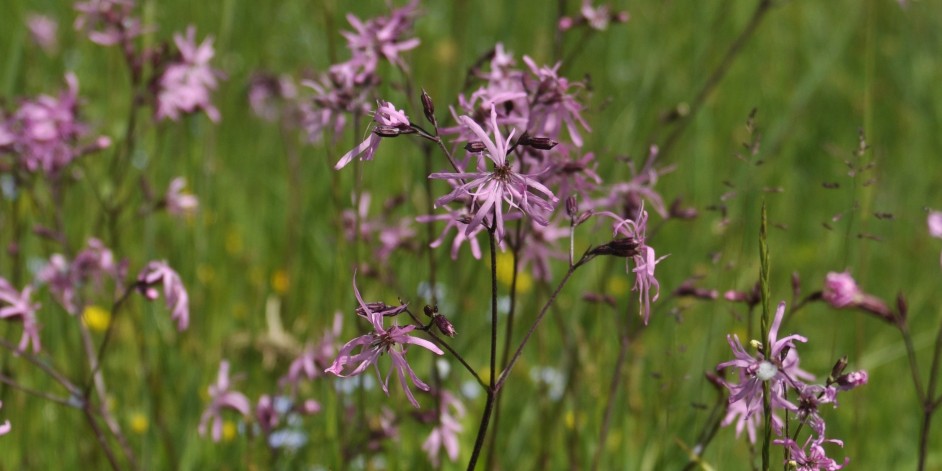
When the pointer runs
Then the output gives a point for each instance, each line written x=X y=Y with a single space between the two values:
x=108 y=22
x=812 y=456
x=489 y=190
x=445 y=434
x=554 y=106
x=388 y=119
x=174 y=292
x=315 y=357
x=381 y=37
x=392 y=341
x=221 y=398
x=840 y=290
x=643 y=258
x=179 y=203
x=5 y=426
x=43 y=31
x=186 y=84
x=19 y=306
x=457 y=220
x=91 y=265
x=935 y=224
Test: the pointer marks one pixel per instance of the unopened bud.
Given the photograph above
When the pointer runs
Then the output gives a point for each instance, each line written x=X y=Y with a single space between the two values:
x=901 y=308
x=623 y=247
x=430 y=310
x=838 y=369
x=444 y=326
x=852 y=380
x=572 y=207
x=381 y=309
x=540 y=143
x=475 y=147
x=386 y=131
x=679 y=212
x=428 y=107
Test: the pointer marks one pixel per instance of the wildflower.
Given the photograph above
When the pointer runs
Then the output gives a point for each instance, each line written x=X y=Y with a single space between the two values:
x=43 y=31
x=935 y=224
x=810 y=457
x=185 y=85
x=337 y=93
x=5 y=426
x=386 y=116
x=19 y=306
x=92 y=264
x=642 y=256
x=314 y=358
x=777 y=363
x=108 y=22
x=222 y=398
x=457 y=220
x=175 y=294
x=177 y=202
x=266 y=93
x=96 y=318
x=841 y=292
x=553 y=104
x=597 y=18
x=489 y=189
x=381 y=37
x=445 y=433
x=392 y=341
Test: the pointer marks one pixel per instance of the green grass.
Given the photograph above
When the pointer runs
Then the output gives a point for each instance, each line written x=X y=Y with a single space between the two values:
x=817 y=72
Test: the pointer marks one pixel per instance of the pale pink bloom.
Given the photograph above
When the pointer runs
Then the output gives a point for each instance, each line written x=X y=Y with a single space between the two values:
x=179 y=203
x=387 y=116
x=43 y=31
x=644 y=258
x=811 y=457
x=337 y=93
x=554 y=105
x=92 y=264
x=174 y=292
x=935 y=224
x=381 y=37
x=457 y=220
x=19 y=306
x=840 y=290
x=107 y=22
x=5 y=426
x=315 y=357
x=488 y=190
x=185 y=85
x=268 y=93
x=220 y=398
x=393 y=341
x=445 y=434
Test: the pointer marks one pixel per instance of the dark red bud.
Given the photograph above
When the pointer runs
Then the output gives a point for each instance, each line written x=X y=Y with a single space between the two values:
x=475 y=147
x=428 y=107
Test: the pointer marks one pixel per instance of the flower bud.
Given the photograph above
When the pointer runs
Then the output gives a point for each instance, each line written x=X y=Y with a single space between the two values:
x=428 y=107
x=475 y=147
x=430 y=310
x=623 y=247
x=444 y=326
x=838 y=369
x=540 y=143
x=852 y=380
x=572 y=207
x=386 y=131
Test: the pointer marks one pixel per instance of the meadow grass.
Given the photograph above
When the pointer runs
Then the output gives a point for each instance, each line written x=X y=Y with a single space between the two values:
x=818 y=73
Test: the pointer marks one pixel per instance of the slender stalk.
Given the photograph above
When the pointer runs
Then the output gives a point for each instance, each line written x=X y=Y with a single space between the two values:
x=49 y=370
x=96 y=362
x=34 y=392
x=717 y=75
x=767 y=345
x=99 y=434
x=491 y=390
x=930 y=404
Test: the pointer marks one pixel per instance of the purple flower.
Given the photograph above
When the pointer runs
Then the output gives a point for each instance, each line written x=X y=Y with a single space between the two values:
x=389 y=118
x=553 y=104
x=457 y=220
x=177 y=202
x=336 y=93
x=92 y=264
x=778 y=364
x=43 y=31
x=597 y=18
x=185 y=85
x=644 y=258
x=393 y=341
x=220 y=398
x=107 y=22
x=539 y=247
x=19 y=306
x=315 y=357
x=5 y=426
x=267 y=92
x=445 y=434
x=174 y=292
x=841 y=291
x=386 y=235
x=812 y=456
x=488 y=190
x=44 y=131
x=381 y=37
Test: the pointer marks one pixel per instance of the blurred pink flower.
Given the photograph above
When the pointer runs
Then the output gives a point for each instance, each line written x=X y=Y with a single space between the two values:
x=315 y=357
x=43 y=31
x=20 y=307
x=179 y=203
x=174 y=292
x=107 y=22
x=92 y=264
x=5 y=426
x=220 y=398
x=185 y=85
x=488 y=190
x=381 y=37
x=935 y=224
x=445 y=433
x=811 y=457
x=553 y=105
x=840 y=290
x=393 y=341
x=457 y=220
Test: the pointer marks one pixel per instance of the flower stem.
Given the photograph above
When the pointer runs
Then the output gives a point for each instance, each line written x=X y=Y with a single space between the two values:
x=767 y=345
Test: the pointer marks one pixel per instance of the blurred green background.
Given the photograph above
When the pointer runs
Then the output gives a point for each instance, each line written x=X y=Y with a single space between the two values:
x=818 y=73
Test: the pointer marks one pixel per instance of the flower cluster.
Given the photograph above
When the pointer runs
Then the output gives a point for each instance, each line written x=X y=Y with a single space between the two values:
x=174 y=292
x=108 y=22
x=777 y=364
x=92 y=265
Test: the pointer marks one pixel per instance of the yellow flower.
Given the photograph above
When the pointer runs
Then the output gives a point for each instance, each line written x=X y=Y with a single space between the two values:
x=280 y=282
x=139 y=423
x=505 y=273
x=96 y=318
x=228 y=430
